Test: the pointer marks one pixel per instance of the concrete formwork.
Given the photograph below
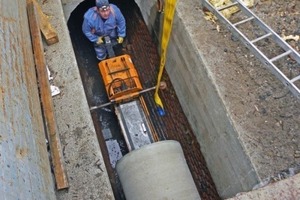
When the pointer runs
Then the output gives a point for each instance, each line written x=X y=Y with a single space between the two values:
x=24 y=162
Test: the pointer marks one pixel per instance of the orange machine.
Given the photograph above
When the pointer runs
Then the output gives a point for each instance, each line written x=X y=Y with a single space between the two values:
x=124 y=90
x=120 y=78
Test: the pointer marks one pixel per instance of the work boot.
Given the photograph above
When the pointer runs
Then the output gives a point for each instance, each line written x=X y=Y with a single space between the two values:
x=101 y=58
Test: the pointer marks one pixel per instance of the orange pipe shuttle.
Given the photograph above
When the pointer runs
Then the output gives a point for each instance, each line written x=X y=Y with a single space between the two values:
x=120 y=78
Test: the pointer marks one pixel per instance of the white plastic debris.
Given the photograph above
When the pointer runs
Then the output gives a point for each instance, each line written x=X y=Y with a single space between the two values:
x=49 y=75
x=54 y=90
x=291 y=37
x=226 y=12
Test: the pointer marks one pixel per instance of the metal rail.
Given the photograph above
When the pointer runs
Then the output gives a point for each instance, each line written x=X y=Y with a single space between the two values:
x=253 y=46
x=112 y=101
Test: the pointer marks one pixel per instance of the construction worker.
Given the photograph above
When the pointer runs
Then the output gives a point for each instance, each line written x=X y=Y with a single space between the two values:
x=104 y=19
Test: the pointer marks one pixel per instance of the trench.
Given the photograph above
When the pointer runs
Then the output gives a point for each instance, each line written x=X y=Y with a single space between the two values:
x=141 y=47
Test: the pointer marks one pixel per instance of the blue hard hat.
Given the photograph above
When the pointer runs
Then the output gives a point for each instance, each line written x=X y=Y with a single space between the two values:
x=102 y=3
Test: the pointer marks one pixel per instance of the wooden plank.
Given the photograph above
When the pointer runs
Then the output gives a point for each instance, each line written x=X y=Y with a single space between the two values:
x=47 y=29
x=46 y=99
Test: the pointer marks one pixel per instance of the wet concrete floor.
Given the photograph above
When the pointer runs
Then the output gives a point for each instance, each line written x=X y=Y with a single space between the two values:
x=141 y=47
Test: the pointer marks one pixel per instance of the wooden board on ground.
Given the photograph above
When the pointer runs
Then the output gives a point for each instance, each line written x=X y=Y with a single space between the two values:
x=46 y=99
x=49 y=33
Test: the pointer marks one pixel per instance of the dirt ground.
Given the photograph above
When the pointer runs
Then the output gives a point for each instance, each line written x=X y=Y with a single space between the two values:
x=266 y=114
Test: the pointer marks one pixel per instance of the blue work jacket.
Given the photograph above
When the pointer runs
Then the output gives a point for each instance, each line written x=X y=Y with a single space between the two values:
x=94 y=26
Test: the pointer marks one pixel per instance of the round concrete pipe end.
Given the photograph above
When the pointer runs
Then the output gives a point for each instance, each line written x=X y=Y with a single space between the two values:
x=157 y=171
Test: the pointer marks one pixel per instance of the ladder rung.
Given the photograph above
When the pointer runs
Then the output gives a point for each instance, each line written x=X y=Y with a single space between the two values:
x=261 y=37
x=295 y=79
x=243 y=21
x=281 y=55
x=227 y=6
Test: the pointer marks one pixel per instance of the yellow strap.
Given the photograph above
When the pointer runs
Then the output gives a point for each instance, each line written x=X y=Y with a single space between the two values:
x=169 y=10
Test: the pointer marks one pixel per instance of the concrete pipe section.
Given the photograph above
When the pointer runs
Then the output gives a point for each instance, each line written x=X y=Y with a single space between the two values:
x=157 y=171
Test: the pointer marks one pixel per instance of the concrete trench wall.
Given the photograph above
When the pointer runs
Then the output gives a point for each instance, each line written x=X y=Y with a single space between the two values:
x=24 y=164
x=226 y=159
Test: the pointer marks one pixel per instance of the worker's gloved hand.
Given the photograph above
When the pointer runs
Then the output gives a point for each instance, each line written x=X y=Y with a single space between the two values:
x=99 y=41
x=120 y=40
